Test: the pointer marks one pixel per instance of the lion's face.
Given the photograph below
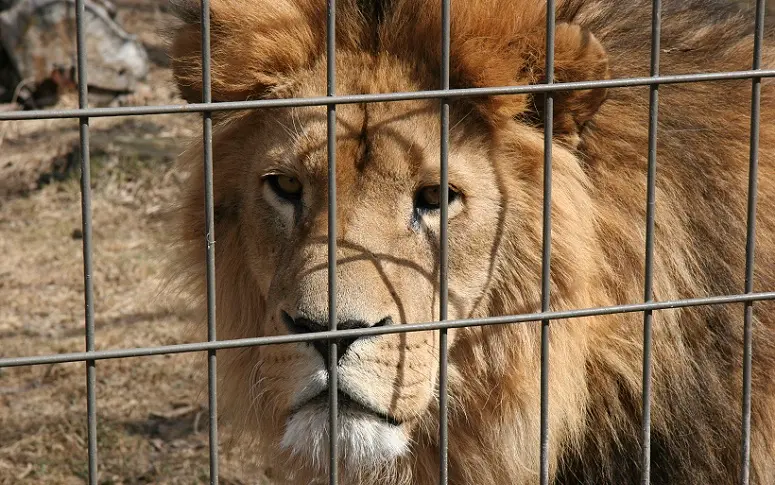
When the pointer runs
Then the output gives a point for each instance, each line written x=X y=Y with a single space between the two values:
x=387 y=263
x=271 y=194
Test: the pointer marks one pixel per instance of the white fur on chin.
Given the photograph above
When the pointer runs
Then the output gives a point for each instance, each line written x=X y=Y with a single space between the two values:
x=364 y=439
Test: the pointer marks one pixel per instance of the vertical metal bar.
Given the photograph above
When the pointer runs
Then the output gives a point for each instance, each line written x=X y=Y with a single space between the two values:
x=656 y=29
x=86 y=220
x=444 y=247
x=207 y=134
x=333 y=382
x=547 y=242
x=756 y=91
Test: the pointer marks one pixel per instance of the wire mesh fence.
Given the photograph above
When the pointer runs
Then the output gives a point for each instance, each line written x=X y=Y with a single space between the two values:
x=444 y=95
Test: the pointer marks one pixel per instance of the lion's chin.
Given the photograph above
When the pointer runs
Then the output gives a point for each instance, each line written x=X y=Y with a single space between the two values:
x=365 y=440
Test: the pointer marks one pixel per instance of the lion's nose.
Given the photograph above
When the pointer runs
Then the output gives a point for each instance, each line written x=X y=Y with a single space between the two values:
x=305 y=325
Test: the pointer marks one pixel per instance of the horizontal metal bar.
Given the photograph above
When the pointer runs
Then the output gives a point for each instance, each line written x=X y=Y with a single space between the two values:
x=362 y=332
x=383 y=97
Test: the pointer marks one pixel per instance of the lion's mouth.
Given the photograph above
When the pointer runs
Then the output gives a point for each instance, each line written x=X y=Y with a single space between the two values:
x=348 y=405
x=365 y=435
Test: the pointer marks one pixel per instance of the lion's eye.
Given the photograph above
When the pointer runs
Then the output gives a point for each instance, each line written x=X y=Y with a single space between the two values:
x=429 y=198
x=285 y=186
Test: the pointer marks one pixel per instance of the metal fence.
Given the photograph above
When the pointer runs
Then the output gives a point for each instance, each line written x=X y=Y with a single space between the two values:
x=444 y=94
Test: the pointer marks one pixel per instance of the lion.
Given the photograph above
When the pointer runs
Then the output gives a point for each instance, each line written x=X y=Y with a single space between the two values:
x=271 y=220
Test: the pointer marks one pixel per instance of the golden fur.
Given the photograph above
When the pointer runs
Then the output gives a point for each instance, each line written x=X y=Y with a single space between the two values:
x=272 y=258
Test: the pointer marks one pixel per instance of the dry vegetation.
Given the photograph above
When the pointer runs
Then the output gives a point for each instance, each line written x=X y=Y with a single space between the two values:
x=152 y=416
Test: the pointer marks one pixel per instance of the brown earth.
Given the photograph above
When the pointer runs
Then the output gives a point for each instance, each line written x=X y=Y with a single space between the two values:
x=152 y=414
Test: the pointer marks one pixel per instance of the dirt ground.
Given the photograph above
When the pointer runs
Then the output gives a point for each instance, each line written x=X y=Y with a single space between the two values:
x=152 y=415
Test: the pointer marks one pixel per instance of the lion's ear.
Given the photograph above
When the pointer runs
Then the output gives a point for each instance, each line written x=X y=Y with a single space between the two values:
x=254 y=45
x=579 y=56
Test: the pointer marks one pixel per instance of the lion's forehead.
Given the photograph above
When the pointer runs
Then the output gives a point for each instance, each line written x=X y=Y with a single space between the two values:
x=387 y=123
x=387 y=148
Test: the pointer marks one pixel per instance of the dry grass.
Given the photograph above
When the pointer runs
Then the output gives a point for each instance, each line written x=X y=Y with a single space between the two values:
x=152 y=415
x=152 y=424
